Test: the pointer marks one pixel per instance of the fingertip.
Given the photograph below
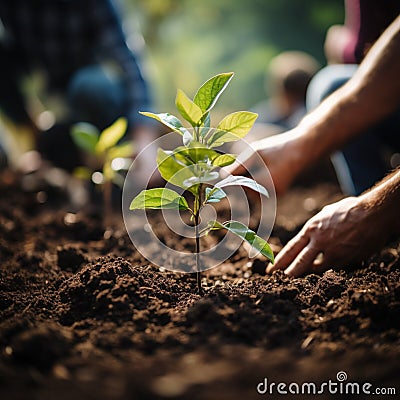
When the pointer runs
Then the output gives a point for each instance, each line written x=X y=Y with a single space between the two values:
x=273 y=267
x=290 y=272
x=296 y=269
x=279 y=262
x=270 y=268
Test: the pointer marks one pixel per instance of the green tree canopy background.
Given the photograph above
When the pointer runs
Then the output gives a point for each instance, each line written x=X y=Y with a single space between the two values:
x=187 y=41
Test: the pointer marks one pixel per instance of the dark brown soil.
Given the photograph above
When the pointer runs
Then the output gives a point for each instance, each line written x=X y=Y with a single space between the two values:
x=84 y=316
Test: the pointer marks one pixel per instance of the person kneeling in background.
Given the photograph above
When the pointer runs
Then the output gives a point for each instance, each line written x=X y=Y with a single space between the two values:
x=81 y=51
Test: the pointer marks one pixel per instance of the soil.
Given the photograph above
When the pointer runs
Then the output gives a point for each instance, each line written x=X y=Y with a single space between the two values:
x=84 y=316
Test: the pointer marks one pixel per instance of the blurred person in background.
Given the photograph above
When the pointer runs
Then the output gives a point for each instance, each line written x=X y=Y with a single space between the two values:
x=80 y=49
x=350 y=230
x=287 y=78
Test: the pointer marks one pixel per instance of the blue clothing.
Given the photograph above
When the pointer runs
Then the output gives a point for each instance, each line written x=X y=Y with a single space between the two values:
x=365 y=160
x=97 y=97
x=63 y=38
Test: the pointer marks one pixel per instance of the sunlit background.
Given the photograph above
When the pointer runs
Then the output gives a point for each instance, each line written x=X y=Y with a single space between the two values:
x=184 y=42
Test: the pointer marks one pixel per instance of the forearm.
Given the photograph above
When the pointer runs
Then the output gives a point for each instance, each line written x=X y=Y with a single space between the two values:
x=383 y=202
x=371 y=95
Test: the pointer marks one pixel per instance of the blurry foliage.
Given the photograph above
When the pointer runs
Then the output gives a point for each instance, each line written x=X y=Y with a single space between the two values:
x=189 y=40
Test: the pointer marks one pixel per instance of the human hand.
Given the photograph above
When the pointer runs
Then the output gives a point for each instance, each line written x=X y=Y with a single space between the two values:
x=340 y=234
x=281 y=153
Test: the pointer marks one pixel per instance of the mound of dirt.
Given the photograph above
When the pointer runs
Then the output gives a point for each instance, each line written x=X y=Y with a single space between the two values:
x=84 y=315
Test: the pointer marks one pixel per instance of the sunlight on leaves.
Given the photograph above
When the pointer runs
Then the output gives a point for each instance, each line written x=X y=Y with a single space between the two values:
x=224 y=160
x=246 y=234
x=189 y=110
x=123 y=150
x=209 y=92
x=237 y=180
x=233 y=127
x=159 y=198
x=214 y=195
x=168 y=120
x=111 y=135
x=85 y=136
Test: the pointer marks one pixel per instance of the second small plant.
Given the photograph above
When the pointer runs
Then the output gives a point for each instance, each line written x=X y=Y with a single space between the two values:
x=104 y=148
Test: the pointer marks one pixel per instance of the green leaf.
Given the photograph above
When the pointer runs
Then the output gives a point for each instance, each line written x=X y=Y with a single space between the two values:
x=108 y=172
x=189 y=110
x=187 y=138
x=209 y=92
x=195 y=153
x=205 y=124
x=214 y=195
x=224 y=160
x=203 y=178
x=157 y=199
x=168 y=120
x=82 y=173
x=238 y=123
x=237 y=180
x=123 y=150
x=173 y=170
x=246 y=234
x=85 y=136
x=167 y=164
x=233 y=127
x=180 y=171
x=111 y=135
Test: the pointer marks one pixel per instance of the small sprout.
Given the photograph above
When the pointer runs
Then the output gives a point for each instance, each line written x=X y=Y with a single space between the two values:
x=104 y=147
x=194 y=165
x=214 y=195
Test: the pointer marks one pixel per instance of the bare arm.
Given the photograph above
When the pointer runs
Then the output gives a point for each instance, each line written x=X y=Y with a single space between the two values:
x=344 y=232
x=372 y=94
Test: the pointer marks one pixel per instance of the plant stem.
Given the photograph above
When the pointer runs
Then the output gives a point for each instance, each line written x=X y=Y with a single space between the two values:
x=197 y=208
x=107 y=192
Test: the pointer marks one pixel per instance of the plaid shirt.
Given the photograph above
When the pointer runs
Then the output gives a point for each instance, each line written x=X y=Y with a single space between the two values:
x=62 y=36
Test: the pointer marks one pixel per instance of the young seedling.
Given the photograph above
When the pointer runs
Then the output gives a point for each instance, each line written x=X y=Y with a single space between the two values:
x=194 y=165
x=103 y=147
